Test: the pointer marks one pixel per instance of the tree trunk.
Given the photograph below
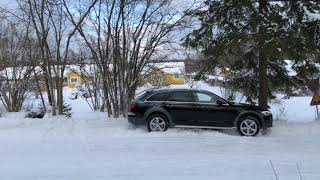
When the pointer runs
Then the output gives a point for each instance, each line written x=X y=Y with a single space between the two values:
x=263 y=77
x=263 y=82
x=53 y=99
x=60 y=95
x=106 y=102
x=46 y=80
x=40 y=92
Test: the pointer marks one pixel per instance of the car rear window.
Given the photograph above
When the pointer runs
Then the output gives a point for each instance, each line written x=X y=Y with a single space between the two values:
x=159 y=97
x=141 y=95
x=181 y=96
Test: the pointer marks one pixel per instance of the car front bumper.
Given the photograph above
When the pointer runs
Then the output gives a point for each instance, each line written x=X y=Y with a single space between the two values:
x=268 y=121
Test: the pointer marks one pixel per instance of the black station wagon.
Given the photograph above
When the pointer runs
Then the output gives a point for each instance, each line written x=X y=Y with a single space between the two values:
x=189 y=108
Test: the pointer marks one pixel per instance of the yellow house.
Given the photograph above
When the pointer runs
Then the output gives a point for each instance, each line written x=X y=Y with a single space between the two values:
x=163 y=74
x=78 y=76
x=74 y=79
x=175 y=78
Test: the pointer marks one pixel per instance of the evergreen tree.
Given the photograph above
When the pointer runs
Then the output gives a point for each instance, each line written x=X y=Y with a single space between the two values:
x=253 y=38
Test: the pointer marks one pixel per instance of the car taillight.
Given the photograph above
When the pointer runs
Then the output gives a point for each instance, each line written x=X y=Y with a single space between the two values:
x=132 y=106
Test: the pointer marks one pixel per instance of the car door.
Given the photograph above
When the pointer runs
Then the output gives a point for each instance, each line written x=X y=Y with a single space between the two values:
x=212 y=110
x=180 y=107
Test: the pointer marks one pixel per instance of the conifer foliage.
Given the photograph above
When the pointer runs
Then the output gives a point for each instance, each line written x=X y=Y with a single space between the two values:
x=254 y=38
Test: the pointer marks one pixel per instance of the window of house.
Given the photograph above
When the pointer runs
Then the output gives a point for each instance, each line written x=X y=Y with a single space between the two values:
x=73 y=80
x=176 y=76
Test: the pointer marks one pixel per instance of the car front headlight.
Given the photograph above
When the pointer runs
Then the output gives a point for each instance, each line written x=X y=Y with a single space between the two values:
x=266 y=113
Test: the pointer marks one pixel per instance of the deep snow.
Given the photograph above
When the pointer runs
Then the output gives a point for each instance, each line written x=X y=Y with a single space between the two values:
x=89 y=146
x=96 y=148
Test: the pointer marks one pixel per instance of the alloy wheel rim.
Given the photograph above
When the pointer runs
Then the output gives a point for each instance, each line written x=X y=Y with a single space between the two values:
x=157 y=124
x=248 y=127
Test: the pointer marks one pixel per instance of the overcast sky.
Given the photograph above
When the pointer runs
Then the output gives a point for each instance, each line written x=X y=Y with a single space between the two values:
x=8 y=4
x=180 y=5
x=4 y=3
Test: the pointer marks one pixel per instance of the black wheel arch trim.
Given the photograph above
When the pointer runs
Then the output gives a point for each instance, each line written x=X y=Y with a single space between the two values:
x=247 y=113
x=158 y=109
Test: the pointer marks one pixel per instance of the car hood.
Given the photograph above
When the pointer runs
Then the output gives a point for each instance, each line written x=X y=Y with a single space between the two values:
x=246 y=106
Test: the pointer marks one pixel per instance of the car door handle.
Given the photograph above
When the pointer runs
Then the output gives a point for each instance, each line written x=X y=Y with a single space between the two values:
x=169 y=105
x=204 y=108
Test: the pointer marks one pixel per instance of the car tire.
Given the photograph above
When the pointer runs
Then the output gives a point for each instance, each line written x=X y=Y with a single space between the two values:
x=157 y=123
x=248 y=126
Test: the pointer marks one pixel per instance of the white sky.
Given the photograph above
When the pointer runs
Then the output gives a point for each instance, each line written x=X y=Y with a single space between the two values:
x=9 y=5
x=180 y=5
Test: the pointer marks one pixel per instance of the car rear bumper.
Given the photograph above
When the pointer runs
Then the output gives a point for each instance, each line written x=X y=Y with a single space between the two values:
x=134 y=119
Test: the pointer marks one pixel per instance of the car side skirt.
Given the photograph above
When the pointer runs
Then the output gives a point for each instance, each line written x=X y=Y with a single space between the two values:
x=203 y=127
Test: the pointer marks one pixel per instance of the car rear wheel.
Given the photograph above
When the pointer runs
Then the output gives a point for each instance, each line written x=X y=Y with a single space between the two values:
x=248 y=126
x=157 y=123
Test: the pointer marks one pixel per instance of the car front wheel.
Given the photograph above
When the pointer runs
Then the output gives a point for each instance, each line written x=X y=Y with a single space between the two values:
x=248 y=126
x=156 y=123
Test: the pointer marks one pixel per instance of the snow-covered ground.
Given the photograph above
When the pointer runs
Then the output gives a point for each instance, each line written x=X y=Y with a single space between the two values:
x=90 y=146
x=94 y=148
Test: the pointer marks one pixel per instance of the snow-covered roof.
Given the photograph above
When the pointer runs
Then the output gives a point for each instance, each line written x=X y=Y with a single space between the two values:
x=167 y=67
x=215 y=77
x=87 y=69
x=19 y=72
x=90 y=69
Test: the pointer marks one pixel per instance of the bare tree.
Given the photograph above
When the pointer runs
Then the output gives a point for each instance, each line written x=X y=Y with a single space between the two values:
x=122 y=36
x=54 y=36
x=91 y=79
x=16 y=70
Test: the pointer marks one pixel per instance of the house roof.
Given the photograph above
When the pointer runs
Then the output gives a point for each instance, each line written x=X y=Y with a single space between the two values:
x=86 y=69
x=18 y=72
x=90 y=69
x=166 y=67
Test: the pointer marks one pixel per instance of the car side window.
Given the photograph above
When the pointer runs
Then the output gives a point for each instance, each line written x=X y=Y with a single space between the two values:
x=206 y=98
x=159 y=97
x=180 y=96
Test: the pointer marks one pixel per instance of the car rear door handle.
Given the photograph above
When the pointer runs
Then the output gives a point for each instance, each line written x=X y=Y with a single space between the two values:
x=169 y=105
x=204 y=108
